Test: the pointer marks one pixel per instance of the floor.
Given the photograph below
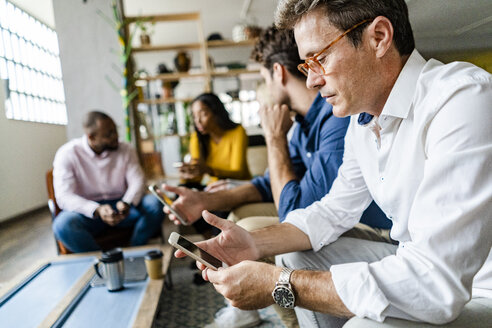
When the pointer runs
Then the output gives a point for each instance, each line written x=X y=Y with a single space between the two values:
x=24 y=241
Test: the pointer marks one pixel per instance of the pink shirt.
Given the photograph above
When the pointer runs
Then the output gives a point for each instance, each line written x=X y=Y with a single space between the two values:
x=81 y=177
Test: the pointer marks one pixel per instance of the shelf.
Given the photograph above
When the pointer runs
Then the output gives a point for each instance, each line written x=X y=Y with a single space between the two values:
x=235 y=72
x=167 y=47
x=230 y=43
x=191 y=46
x=164 y=18
x=162 y=136
x=163 y=101
x=173 y=76
x=179 y=76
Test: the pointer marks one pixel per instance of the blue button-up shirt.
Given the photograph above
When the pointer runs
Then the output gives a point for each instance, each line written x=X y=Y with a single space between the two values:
x=316 y=152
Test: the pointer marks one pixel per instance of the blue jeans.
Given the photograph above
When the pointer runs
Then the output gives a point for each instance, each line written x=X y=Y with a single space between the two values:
x=77 y=231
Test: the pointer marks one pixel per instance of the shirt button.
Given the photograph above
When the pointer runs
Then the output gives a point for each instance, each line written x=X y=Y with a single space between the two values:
x=382 y=178
x=308 y=155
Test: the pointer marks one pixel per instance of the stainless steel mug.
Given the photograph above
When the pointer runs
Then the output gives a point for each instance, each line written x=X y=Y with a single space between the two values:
x=111 y=269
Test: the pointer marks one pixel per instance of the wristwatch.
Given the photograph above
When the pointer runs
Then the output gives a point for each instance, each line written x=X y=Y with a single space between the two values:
x=283 y=294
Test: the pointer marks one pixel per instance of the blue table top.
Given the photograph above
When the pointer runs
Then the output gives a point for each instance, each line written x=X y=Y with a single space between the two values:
x=100 y=308
x=32 y=303
x=95 y=306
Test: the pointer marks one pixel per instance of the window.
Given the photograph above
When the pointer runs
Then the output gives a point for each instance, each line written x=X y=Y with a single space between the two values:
x=30 y=65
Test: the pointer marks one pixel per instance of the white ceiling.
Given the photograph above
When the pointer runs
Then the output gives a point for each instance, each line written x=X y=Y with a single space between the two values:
x=444 y=25
x=439 y=25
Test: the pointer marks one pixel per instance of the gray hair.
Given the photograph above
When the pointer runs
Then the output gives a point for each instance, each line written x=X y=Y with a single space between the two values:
x=344 y=14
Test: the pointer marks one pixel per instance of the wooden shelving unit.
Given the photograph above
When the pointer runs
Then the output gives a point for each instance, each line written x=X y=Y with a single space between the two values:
x=205 y=74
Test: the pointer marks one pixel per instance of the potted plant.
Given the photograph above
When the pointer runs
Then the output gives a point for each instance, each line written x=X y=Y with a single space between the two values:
x=146 y=29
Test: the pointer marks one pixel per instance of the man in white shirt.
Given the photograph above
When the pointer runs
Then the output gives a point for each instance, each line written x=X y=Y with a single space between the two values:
x=419 y=144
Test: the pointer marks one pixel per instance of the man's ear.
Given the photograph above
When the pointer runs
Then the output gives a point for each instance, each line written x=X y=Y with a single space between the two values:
x=380 y=33
x=279 y=73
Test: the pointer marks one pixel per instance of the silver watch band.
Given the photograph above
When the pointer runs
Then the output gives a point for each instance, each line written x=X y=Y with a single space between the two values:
x=284 y=277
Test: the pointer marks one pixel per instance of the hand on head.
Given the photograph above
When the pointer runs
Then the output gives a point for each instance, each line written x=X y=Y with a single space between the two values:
x=275 y=120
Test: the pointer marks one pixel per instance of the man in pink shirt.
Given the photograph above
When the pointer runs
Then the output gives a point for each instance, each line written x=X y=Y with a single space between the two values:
x=99 y=184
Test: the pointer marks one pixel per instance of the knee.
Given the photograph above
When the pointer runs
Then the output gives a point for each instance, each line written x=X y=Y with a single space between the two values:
x=294 y=260
x=64 y=223
x=151 y=204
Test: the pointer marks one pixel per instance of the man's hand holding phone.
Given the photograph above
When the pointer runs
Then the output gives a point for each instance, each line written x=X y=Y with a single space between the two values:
x=190 y=204
x=123 y=208
x=235 y=246
x=232 y=245
x=109 y=215
x=176 y=214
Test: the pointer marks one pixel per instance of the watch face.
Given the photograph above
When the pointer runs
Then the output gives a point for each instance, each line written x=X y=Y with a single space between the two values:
x=283 y=296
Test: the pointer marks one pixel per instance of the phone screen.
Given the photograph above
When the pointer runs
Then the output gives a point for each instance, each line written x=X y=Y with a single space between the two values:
x=199 y=252
x=167 y=202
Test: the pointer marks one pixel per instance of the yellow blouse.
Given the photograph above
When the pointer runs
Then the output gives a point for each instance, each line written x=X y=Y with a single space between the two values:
x=228 y=157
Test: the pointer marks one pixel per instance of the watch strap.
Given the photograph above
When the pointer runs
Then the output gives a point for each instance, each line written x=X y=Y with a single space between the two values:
x=284 y=277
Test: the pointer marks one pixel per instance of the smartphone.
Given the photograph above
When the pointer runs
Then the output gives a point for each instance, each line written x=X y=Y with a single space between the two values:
x=166 y=201
x=193 y=251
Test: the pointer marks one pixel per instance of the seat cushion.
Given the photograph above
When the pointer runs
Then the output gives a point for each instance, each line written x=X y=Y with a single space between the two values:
x=476 y=314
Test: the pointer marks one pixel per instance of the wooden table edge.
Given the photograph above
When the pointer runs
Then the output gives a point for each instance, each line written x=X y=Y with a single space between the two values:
x=150 y=301
x=19 y=278
x=65 y=302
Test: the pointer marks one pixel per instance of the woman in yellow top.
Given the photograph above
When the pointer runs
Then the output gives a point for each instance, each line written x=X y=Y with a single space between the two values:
x=218 y=145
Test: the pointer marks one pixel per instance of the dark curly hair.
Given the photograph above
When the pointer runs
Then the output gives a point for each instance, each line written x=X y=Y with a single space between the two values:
x=220 y=115
x=344 y=14
x=277 y=46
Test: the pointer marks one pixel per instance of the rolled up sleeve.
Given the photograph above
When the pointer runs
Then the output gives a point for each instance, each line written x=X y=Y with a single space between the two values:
x=340 y=210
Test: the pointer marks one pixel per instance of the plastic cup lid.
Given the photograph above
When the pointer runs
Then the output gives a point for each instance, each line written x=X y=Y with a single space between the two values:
x=153 y=254
x=113 y=255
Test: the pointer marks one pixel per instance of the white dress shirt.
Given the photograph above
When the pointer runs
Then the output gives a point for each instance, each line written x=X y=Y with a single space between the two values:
x=430 y=173
x=81 y=177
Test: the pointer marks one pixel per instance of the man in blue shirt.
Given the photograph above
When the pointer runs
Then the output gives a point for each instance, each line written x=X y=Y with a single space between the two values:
x=301 y=171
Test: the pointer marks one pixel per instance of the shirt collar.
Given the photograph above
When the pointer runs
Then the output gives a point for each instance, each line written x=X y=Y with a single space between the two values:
x=402 y=94
x=89 y=151
x=307 y=121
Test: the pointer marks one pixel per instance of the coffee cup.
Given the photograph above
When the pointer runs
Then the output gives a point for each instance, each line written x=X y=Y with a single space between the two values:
x=153 y=263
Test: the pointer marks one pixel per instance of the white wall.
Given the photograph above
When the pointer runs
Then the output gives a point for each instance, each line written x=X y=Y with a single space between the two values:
x=87 y=53
x=27 y=149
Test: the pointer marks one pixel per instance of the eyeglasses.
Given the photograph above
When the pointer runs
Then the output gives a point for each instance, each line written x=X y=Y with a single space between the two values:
x=313 y=64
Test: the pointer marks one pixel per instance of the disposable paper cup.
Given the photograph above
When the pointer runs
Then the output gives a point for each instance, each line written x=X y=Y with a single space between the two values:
x=153 y=264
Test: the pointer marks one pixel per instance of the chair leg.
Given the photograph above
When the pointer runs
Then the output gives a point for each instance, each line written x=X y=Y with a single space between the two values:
x=168 y=279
